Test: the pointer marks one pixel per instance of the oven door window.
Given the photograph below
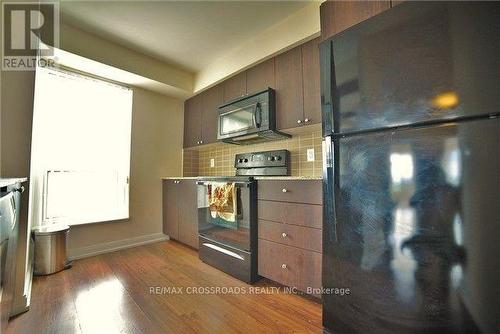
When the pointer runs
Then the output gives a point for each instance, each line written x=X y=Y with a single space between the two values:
x=237 y=120
x=235 y=234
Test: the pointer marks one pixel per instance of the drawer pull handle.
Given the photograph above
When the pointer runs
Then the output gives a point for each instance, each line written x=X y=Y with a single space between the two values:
x=284 y=235
x=284 y=190
x=299 y=121
x=283 y=266
x=306 y=120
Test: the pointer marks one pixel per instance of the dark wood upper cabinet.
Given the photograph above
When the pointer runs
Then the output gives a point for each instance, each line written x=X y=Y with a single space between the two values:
x=192 y=121
x=311 y=81
x=261 y=76
x=289 y=99
x=337 y=16
x=235 y=86
x=211 y=99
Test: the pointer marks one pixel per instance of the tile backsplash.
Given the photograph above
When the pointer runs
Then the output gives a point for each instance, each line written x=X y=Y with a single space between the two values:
x=197 y=161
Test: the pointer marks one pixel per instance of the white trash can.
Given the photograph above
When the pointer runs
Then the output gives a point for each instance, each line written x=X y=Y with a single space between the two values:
x=50 y=249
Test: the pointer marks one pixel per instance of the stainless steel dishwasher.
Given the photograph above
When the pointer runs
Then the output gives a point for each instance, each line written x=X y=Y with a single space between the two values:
x=9 y=230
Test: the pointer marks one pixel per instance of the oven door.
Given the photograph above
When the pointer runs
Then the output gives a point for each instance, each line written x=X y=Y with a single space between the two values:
x=235 y=234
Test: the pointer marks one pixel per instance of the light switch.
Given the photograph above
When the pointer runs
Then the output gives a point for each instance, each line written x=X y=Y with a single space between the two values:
x=310 y=154
x=212 y=163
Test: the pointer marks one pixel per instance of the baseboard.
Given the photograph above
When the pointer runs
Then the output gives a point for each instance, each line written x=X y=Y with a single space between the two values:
x=107 y=247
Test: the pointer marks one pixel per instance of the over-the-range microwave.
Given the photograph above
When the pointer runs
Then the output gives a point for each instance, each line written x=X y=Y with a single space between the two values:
x=249 y=119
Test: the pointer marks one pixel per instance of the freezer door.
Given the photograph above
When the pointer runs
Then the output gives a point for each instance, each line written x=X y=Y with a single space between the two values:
x=418 y=62
x=413 y=243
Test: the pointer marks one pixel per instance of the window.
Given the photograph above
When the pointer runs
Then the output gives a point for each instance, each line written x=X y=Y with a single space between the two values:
x=80 y=156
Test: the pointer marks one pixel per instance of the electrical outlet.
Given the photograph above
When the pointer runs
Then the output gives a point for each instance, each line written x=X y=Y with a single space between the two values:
x=212 y=163
x=310 y=154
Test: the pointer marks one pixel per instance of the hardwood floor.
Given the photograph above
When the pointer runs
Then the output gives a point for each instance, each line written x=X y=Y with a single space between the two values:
x=110 y=293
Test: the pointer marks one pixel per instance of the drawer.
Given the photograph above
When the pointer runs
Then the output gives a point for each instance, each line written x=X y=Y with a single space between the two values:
x=291 y=235
x=298 y=191
x=289 y=265
x=308 y=215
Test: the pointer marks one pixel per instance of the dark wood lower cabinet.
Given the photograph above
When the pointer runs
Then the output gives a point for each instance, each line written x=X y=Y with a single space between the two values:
x=188 y=213
x=290 y=266
x=180 y=211
x=170 y=211
x=290 y=233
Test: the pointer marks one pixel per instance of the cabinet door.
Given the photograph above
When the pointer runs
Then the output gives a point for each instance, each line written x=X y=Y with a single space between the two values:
x=261 y=76
x=289 y=99
x=170 y=210
x=188 y=213
x=192 y=121
x=310 y=71
x=340 y=15
x=211 y=99
x=235 y=86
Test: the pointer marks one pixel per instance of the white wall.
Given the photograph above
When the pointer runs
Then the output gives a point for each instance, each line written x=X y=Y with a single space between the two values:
x=295 y=29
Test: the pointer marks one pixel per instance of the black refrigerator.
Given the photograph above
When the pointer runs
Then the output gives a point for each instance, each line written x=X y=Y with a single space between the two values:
x=411 y=150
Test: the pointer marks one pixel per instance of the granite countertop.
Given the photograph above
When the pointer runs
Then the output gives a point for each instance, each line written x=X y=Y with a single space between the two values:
x=304 y=178
x=256 y=177
x=180 y=178
x=11 y=181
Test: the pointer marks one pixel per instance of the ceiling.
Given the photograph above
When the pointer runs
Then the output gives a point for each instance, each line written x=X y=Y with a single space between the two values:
x=187 y=34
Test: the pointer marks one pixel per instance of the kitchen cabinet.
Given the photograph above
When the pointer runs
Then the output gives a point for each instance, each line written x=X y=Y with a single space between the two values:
x=192 y=121
x=200 y=117
x=293 y=74
x=290 y=266
x=211 y=99
x=290 y=232
x=180 y=211
x=311 y=82
x=336 y=16
x=170 y=210
x=291 y=191
x=235 y=86
x=289 y=97
x=261 y=76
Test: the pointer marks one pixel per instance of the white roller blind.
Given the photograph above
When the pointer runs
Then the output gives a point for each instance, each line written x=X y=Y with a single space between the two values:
x=80 y=148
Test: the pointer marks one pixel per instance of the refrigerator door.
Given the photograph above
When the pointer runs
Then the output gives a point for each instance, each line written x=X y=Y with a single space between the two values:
x=418 y=62
x=411 y=244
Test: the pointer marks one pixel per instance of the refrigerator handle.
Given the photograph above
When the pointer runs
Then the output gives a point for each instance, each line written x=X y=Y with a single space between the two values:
x=326 y=77
x=329 y=184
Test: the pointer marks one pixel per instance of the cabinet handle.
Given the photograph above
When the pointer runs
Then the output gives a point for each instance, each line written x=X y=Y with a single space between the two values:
x=306 y=120
x=299 y=121
x=284 y=235
x=201 y=141
x=198 y=143
x=283 y=266
x=284 y=190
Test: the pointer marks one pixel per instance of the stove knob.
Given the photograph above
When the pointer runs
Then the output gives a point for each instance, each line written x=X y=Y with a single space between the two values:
x=269 y=158
x=278 y=157
x=245 y=160
x=240 y=160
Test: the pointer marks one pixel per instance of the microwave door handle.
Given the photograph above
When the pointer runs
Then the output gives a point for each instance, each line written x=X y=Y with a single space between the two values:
x=258 y=115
